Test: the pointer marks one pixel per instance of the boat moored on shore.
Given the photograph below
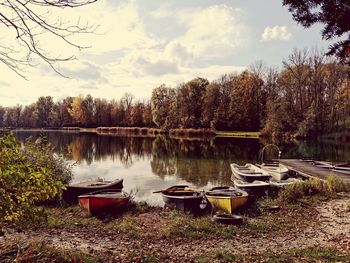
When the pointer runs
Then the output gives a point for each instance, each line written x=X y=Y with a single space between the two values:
x=112 y=200
x=184 y=199
x=249 y=172
x=70 y=195
x=227 y=199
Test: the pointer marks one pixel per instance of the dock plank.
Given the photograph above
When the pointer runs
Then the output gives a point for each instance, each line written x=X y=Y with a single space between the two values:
x=309 y=170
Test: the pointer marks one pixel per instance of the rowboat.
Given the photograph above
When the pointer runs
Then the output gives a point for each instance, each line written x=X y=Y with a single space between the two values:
x=253 y=188
x=326 y=165
x=276 y=170
x=342 y=168
x=249 y=172
x=285 y=182
x=112 y=200
x=70 y=195
x=227 y=198
x=182 y=198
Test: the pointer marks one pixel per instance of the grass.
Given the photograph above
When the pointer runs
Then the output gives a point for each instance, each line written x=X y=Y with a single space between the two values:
x=312 y=254
x=41 y=253
x=173 y=224
x=187 y=226
x=238 y=134
x=313 y=187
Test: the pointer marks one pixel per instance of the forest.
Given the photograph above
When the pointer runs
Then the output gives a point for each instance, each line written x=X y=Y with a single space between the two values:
x=307 y=97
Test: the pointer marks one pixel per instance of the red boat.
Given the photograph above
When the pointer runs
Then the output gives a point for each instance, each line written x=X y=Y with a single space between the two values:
x=97 y=184
x=112 y=200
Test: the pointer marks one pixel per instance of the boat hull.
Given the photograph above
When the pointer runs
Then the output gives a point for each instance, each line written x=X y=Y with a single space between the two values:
x=256 y=188
x=96 y=204
x=71 y=194
x=227 y=202
x=186 y=201
x=342 y=169
x=278 y=172
x=249 y=173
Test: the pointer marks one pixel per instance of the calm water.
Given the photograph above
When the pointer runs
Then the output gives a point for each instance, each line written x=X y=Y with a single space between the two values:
x=149 y=164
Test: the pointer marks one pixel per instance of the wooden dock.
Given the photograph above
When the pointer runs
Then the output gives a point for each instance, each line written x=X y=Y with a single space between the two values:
x=307 y=169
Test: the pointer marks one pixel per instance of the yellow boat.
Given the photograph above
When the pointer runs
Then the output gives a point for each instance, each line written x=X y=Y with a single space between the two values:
x=226 y=198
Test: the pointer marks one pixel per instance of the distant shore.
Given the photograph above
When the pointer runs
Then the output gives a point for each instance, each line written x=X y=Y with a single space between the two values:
x=149 y=132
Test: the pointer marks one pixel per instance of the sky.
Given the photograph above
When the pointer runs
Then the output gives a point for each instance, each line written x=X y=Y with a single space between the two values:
x=141 y=44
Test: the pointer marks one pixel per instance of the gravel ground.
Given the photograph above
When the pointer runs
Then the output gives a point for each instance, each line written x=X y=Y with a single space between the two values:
x=330 y=227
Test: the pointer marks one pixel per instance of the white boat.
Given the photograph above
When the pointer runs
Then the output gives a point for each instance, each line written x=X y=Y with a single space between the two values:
x=254 y=188
x=326 y=165
x=283 y=183
x=249 y=172
x=276 y=170
x=342 y=168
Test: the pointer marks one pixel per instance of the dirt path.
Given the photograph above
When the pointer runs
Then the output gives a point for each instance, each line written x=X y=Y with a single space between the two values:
x=331 y=228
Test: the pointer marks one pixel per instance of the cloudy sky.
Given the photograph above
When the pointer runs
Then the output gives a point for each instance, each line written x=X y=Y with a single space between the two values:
x=141 y=44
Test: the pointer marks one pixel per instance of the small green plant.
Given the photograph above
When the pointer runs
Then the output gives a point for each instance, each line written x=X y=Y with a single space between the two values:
x=29 y=174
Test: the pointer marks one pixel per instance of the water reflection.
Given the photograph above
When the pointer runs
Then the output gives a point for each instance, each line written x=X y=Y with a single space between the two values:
x=148 y=164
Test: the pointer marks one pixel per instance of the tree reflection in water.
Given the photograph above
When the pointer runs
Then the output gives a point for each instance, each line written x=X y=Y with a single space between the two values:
x=195 y=161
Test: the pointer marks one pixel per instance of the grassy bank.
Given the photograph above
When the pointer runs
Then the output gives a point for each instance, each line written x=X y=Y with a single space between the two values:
x=153 y=234
x=40 y=252
x=238 y=134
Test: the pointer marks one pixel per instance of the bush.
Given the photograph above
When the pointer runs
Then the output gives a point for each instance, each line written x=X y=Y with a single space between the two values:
x=29 y=174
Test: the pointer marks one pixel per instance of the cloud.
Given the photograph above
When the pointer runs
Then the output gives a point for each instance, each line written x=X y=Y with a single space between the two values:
x=276 y=33
x=3 y=83
x=212 y=32
x=161 y=13
x=130 y=57
x=84 y=70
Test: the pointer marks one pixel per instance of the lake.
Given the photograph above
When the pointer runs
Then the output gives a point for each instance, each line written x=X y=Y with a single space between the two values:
x=149 y=164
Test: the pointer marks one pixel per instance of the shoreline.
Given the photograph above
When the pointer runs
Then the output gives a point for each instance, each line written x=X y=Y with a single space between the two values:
x=147 y=132
x=161 y=235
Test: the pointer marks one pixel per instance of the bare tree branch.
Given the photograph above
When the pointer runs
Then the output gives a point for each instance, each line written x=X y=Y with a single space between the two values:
x=27 y=21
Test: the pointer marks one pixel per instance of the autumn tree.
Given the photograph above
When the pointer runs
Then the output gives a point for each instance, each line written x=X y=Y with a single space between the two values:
x=126 y=102
x=102 y=116
x=29 y=116
x=2 y=113
x=76 y=111
x=244 y=105
x=211 y=104
x=190 y=98
x=44 y=108
x=12 y=116
x=162 y=99
x=63 y=112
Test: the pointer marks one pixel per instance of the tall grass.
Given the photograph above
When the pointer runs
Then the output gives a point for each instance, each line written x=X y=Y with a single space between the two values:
x=311 y=187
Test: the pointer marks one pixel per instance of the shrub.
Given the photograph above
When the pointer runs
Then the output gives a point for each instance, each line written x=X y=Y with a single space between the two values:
x=29 y=174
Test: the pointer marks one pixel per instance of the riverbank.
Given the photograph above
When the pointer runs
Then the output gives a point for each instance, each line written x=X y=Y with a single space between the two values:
x=150 y=132
x=312 y=229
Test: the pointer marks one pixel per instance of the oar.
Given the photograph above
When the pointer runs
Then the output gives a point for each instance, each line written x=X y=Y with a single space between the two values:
x=172 y=189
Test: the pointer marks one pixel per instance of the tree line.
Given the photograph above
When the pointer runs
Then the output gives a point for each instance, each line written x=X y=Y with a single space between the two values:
x=309 y=96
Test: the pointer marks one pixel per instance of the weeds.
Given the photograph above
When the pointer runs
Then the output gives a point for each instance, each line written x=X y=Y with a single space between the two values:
x=41 y=253
x=312 y=254
x=188 y=226
x=312 y=187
